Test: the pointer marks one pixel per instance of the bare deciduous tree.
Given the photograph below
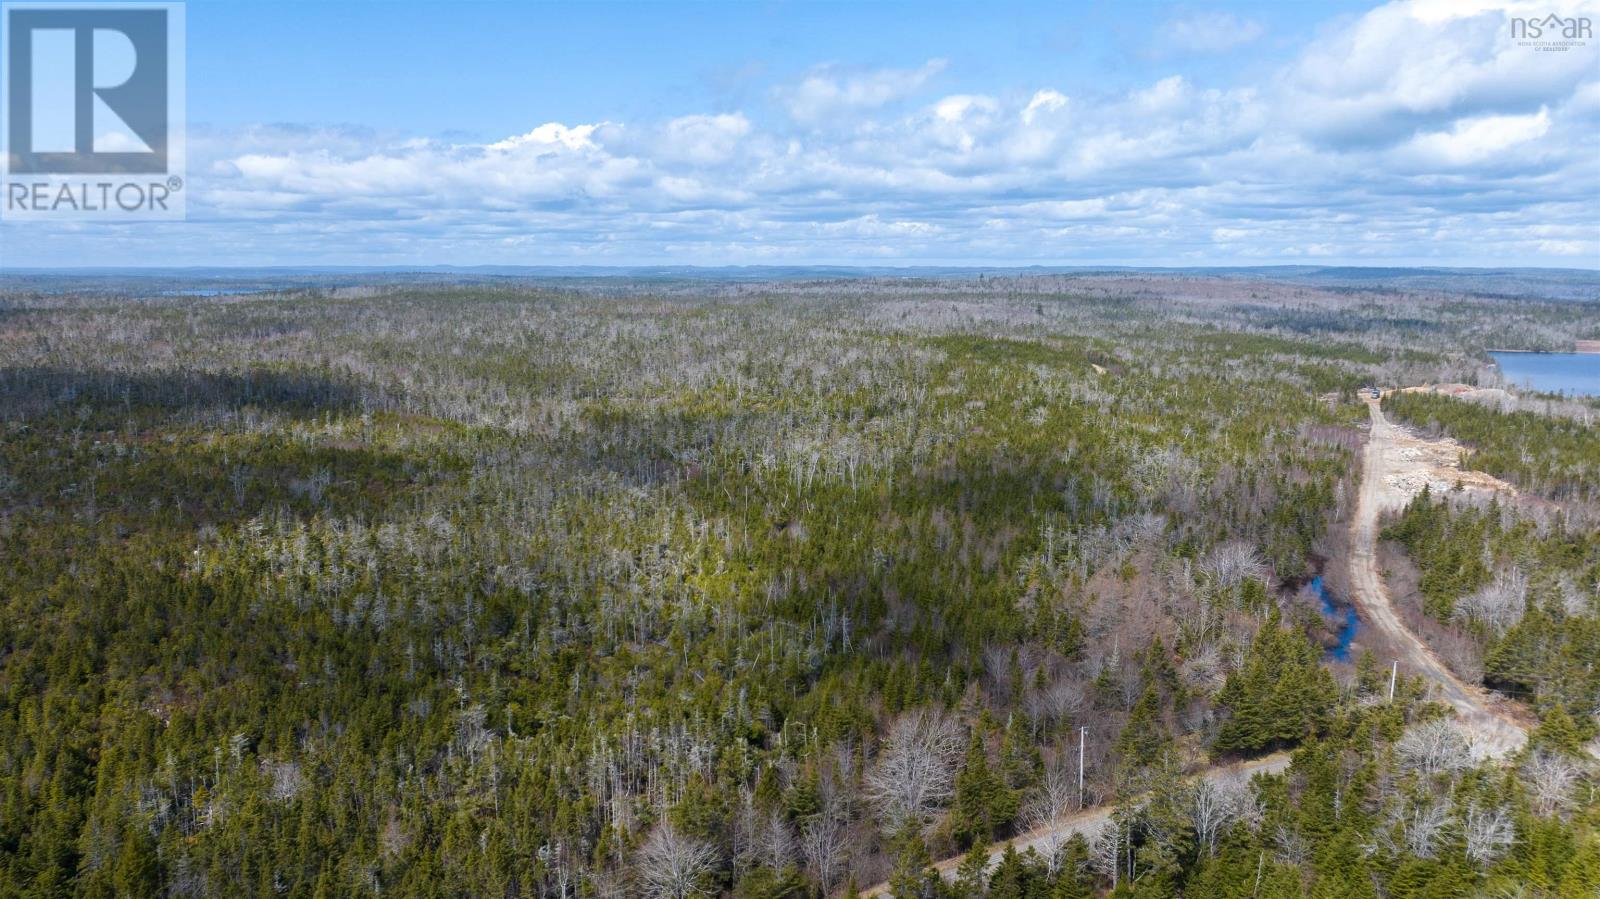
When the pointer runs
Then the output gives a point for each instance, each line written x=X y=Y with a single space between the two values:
x=1499 y=604
x=287 y=779
x=1426 y=827
x=1061 y=700
x=775 y=845
x=1105 y=851
x=1433 y=747
x=472 y=736
x=1057 y=796
x=1205 y=669
x=1489 y=833
x=560 y=880
x=1573 y=601
x=916 y=771
x=672 y=865
x=1550 y=779
x=823 y=844
x=1292 y=848
x=1213 y=805
x=1231 y=564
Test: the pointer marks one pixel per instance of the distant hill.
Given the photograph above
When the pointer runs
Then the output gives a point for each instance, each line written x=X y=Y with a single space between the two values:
x=1546 y=283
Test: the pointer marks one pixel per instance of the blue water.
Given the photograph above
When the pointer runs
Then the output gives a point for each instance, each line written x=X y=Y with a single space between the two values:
x=1575 y=373
x=1348 y=632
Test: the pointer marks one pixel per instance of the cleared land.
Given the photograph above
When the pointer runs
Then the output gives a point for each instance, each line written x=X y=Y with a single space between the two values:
x=1396 y=466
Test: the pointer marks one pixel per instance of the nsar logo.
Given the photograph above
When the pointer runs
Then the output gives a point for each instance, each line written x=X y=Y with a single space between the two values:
x=1552 y=33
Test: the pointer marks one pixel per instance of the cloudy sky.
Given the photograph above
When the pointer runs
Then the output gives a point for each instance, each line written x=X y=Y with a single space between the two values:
x=1415 y=132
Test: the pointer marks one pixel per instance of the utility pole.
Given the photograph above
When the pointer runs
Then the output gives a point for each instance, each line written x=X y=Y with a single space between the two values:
x=1394 y=672
x=1082 y=733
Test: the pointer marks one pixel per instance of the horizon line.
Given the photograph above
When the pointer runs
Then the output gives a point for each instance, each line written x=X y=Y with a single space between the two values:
x=758 y=267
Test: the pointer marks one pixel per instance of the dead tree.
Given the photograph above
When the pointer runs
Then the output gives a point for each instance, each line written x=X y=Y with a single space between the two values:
x=672 y=865
x=1434 y=747
x=1489 y=833
x=1214 y=806
x=1550 y=779
x=915 y=773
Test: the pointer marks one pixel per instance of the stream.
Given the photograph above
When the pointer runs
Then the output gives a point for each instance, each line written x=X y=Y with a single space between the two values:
x=1341 y=652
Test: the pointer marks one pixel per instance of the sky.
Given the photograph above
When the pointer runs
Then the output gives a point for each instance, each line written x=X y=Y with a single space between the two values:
x=1417 y=132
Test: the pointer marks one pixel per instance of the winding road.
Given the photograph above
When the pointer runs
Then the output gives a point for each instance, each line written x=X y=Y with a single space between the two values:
x=1494 y=731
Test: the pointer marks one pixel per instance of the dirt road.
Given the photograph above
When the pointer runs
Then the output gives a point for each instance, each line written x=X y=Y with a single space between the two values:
x=1088 y=821
x=1395 y=466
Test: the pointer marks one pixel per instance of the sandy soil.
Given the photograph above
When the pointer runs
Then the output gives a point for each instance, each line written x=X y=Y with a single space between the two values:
x=1411 y=462
x=1396 y=466
x=1089 y=821
x=1488 y=396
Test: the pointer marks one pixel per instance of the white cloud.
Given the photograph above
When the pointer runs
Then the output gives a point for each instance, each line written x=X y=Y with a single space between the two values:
x=1417 y=129
x=119 y=142
x=1072 y=209
x=1590 y=248
x=1474 y=140
x=955 y=108
x=1043 y=102
x=1209 y=32
x=703 y=139
x=1406 y=66
x=1167 y=95
x=829 y=91
x=550 y=134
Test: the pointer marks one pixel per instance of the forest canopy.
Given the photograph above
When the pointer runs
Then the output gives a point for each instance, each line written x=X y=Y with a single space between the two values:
x=772 y=591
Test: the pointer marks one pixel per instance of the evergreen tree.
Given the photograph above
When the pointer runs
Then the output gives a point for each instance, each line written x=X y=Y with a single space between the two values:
x=1073 y=880
x=1581 y=879
x=983 y=803
x=1557 y=732
x=913 y=876
x=1016 y=877
x=972 y=876
x=1279 y=697
x=1144 y=740
x=1021 y=762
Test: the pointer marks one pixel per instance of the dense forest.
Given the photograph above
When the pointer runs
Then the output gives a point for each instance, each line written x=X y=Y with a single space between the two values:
x=767 y=590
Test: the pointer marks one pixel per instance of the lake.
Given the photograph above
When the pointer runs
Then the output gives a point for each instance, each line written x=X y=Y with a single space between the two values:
x=1572 y=373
